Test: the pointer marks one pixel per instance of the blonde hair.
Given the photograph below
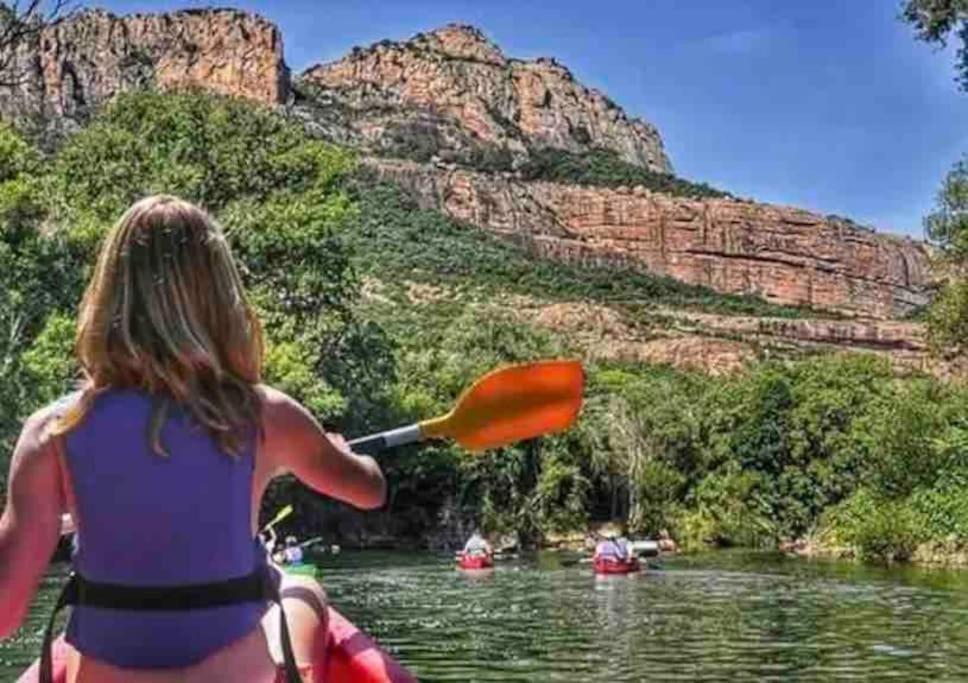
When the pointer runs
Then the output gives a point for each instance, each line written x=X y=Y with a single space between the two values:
x=165 y=313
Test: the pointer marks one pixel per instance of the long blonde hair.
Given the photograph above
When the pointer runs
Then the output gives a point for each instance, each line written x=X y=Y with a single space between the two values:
x=165 y=313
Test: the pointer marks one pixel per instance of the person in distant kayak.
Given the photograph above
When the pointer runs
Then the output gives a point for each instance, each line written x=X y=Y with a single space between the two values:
x=477 y=545
x=293 y=553
x=613 y=549
x=162 y=459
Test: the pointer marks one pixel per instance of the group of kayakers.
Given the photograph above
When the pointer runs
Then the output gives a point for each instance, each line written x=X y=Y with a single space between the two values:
x=613 y=554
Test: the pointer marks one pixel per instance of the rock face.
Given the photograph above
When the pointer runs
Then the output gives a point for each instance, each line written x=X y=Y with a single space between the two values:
x=782 y=254
x=452 y=98
x=82 y=61
x=452 y=93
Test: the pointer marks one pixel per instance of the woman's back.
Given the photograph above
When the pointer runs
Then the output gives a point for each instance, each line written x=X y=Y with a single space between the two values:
x=150 y=520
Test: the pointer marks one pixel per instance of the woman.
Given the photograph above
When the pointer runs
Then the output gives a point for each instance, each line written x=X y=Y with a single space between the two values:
x=162 y=459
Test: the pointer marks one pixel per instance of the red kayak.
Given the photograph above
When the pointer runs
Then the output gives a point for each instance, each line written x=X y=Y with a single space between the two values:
x=350 y=656
x=605 y=565
x=475 y=561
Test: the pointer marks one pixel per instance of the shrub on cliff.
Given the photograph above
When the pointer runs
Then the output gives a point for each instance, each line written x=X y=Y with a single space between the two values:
x=604 y=167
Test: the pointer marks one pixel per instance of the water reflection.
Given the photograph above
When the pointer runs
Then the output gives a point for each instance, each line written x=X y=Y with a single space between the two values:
x=724 y=616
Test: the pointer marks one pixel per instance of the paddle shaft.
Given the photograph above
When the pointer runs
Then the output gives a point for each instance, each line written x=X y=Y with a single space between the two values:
x=373 y=444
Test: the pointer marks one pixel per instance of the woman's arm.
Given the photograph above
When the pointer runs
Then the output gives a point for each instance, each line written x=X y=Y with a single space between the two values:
x=295 y=442
x=31 y=523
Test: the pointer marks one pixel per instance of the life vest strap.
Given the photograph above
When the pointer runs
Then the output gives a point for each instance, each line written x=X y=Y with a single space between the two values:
x=258 y=586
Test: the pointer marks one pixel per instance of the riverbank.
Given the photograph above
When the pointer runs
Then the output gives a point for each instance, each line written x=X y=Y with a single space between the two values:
x=951 y=554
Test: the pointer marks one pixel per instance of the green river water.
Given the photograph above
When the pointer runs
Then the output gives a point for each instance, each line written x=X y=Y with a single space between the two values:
x=718 y=617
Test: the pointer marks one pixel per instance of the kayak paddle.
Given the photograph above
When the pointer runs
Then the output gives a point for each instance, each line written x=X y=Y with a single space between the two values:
x=510 y=404
x=281 y=515
x=311 y=541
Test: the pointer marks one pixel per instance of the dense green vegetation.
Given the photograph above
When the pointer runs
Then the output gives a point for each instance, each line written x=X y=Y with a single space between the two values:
x=604 y=167
x=378 y=313
x=947 y=227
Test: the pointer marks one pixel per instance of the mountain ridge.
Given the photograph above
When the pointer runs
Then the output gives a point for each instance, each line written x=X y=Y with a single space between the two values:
x=452 y=104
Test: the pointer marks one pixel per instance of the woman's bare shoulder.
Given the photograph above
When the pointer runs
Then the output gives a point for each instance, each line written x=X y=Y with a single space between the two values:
x=38 y=430
x=276 y=403
x=282 y=413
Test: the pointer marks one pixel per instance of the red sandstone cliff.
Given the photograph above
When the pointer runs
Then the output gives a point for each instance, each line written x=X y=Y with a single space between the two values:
x=782 y=254
x=452 y=91
x=78 y=63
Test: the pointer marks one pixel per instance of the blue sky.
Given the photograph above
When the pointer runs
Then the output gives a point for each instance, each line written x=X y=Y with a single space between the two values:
x=828 y=104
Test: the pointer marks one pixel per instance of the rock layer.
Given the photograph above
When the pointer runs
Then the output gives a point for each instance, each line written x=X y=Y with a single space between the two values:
x=452 y=91
x=76 y=64
x=722 y=344
x=782 y=254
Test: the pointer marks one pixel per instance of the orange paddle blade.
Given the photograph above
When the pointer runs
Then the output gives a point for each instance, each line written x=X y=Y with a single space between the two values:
x=512 y=404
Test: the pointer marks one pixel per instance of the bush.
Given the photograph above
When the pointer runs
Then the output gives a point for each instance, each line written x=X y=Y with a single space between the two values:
x=605 y=168
x=876 y=528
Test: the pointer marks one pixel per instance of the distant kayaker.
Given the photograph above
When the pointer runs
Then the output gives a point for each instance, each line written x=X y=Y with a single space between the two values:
x=161 y=458
x=612 y=548
x=477 y=545
x=293 y=553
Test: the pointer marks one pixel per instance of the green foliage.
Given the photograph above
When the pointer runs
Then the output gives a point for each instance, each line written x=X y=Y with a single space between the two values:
x=605 y=167
x=947 y=227
x=724 y=509
x=877 y=528
x=207 y=149
x=49 y=367
x=16 y=156
x=289 y=366
x=934 y=20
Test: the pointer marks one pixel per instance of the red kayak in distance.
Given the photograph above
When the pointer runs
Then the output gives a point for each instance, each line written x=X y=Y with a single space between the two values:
x=605 y=565
x=350 y=656
x=475 y=561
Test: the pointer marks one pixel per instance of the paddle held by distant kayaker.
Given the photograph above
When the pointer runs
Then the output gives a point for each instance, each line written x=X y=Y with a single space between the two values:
x=161 y=459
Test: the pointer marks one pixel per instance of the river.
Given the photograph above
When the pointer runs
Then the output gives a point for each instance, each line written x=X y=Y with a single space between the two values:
x=719 y=616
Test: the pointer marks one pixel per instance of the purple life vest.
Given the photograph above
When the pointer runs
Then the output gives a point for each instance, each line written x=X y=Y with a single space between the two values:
x=150 y=520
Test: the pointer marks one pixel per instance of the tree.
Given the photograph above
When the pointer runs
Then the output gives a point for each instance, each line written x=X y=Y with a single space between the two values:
x=934 y=20
x=20 y=23
x=947 y=228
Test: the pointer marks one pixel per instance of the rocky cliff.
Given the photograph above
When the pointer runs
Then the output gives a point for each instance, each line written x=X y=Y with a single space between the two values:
x=453 y=93
x=76 y=64
x=782 y=254
x=451 y=98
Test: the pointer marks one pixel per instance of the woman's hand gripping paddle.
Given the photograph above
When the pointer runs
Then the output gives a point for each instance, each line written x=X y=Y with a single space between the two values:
x=507 y=405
